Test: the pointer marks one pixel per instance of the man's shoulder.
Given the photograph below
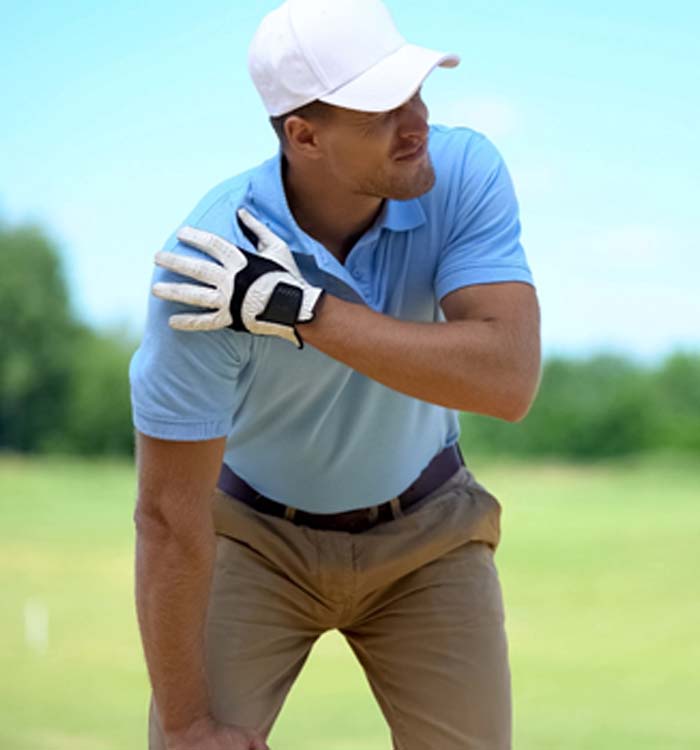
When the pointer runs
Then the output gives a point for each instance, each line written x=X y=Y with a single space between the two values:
x=216 y=211
x=452 y=147
x=465 y=163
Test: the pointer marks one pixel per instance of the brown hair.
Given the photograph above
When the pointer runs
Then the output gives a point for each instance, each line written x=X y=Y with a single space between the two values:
x=314 y=110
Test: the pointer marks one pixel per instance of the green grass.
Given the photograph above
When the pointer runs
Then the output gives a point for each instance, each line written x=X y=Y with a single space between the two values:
x=599 y=565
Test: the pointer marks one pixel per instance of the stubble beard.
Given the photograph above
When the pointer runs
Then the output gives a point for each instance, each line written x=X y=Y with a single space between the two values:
x=403 y=183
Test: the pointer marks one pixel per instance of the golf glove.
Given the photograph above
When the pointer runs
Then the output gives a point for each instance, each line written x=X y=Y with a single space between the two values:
x=261 y=293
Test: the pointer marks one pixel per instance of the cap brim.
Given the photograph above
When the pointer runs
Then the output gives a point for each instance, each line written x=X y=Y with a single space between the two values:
x=392 y=81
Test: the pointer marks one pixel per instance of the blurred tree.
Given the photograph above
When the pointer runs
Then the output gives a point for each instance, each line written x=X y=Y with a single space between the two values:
x=605 y=406
x=36 y=335
x=595 y=408
x=99 y=408
x=63 y=387
x=677 y=401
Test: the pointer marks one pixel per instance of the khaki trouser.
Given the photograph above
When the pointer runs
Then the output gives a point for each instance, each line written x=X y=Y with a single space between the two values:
x=417 y=598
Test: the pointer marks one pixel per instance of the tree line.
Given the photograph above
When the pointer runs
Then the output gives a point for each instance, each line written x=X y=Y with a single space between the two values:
x=64 y=386
x=602 y=407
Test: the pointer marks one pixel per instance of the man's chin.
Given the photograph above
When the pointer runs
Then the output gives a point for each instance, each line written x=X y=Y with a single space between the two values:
x=414 y=185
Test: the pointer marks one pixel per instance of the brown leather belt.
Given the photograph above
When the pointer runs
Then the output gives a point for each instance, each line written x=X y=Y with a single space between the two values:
x=437 y=472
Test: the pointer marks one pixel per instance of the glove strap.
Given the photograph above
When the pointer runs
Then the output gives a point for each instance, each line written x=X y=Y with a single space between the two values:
x=283 y=306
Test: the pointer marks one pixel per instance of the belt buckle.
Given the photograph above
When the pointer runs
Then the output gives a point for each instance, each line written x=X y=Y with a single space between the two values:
x=355 y=521
x=359 y=520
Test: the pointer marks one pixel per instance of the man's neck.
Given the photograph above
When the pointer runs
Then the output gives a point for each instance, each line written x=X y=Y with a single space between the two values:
x=331 y=215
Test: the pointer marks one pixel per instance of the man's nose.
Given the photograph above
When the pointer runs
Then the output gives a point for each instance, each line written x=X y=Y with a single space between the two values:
x=414 y=119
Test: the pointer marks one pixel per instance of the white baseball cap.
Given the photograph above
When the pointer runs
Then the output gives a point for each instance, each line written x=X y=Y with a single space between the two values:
x=344 y=52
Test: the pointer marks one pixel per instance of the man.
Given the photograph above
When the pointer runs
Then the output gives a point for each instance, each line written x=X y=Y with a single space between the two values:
x=389 y=253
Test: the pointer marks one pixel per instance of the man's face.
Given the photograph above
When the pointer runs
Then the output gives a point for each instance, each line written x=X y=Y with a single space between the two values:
x=383 y=155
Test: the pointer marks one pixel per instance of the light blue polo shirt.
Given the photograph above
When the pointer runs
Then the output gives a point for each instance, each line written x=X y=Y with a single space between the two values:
x=302 y=428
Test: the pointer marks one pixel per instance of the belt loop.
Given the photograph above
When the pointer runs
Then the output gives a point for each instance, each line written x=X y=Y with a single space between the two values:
x=396 y=507
x=289 y=512
x=373 y=514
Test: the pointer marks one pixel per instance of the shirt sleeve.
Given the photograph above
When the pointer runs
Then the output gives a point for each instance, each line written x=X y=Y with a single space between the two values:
x=482 y=245
x=184 y=384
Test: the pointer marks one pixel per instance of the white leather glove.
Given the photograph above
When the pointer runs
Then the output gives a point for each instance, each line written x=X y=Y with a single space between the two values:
x=263 y=294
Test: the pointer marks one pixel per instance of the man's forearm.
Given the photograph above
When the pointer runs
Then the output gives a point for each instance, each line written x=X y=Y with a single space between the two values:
x=470 y=365
x=173 y=578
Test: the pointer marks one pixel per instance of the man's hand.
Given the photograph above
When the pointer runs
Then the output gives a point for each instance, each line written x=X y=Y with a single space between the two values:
x=210 y=735
x=263 y=294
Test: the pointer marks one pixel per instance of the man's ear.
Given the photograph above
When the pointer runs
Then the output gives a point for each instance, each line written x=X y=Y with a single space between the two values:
x=302 y=137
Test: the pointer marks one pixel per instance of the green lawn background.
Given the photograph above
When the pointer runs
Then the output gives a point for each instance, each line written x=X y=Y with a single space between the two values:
x=599 y=564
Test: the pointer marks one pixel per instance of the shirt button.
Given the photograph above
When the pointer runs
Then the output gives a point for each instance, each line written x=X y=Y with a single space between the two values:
x=357 y=275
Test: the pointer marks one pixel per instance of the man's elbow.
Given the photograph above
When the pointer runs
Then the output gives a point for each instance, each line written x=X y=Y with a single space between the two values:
x=513 y=395
x=188 y=532
x=517 y=411
x=509 y=407
x=150 y=520
x=517 y=403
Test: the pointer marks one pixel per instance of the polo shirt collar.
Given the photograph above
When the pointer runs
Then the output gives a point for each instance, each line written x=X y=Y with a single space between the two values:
x=402 y=216
x=266 y=193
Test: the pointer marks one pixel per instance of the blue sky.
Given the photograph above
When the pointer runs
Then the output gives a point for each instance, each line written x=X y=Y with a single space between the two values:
x=118 y=117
